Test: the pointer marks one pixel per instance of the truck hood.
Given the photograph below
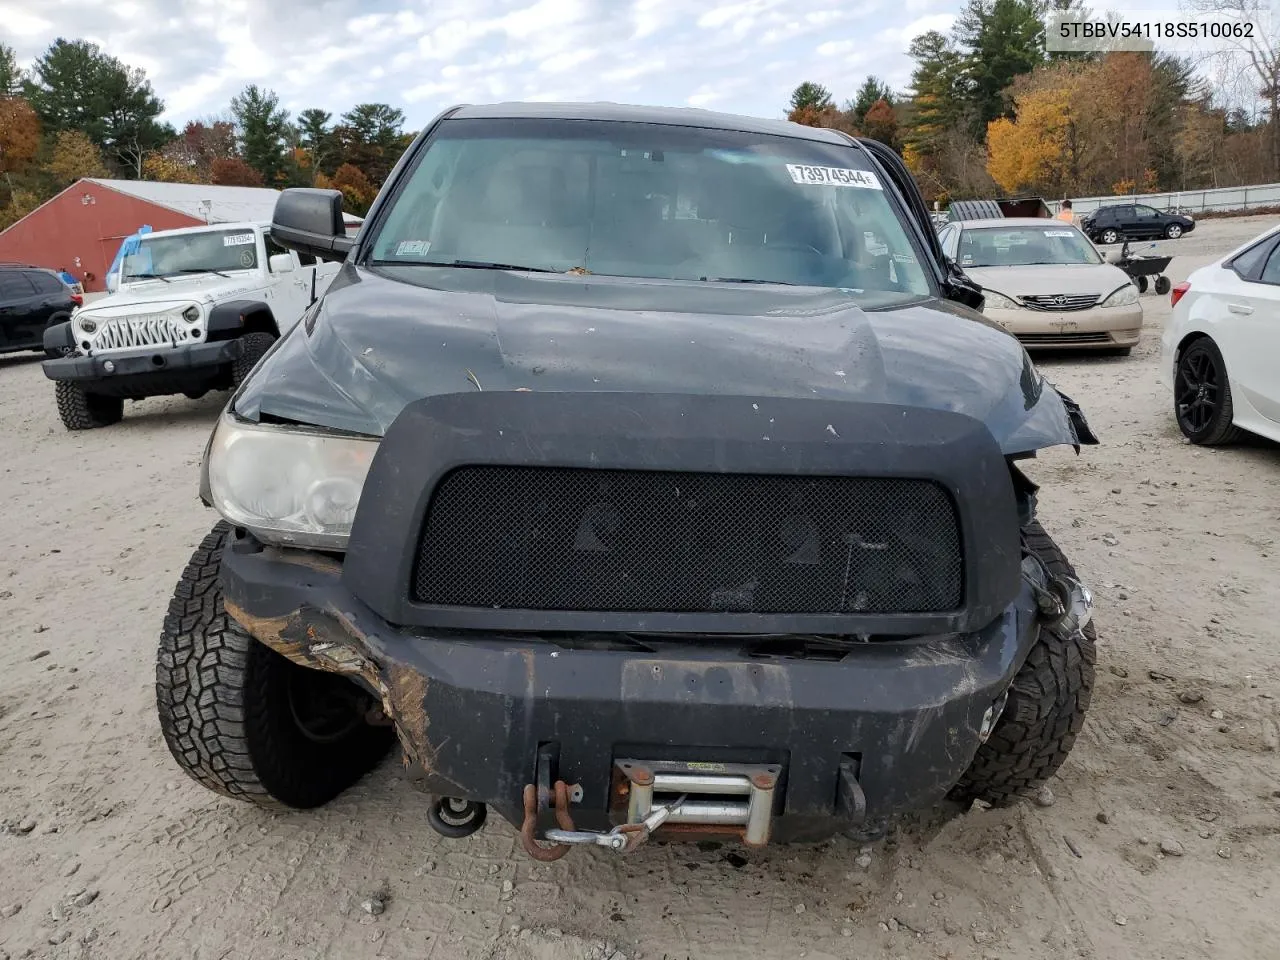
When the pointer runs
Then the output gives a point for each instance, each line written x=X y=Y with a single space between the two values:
x=198 y=287
x=373 y=345
x=1046 y=279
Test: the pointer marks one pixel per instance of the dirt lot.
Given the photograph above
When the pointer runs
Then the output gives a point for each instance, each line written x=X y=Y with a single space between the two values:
x=1163 y=841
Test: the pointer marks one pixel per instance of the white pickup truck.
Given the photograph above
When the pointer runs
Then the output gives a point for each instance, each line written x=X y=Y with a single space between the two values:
x=194 y=311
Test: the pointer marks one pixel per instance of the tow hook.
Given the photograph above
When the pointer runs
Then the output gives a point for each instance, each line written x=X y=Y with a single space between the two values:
x=623 y=838
x=1063 y=602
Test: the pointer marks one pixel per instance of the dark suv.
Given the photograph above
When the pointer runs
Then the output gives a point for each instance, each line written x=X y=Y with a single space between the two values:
x=31 y=299
x=1134 y=221
x=642 y=470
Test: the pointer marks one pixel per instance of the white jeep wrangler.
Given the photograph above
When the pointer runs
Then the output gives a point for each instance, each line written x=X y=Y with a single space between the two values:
x=194 y=311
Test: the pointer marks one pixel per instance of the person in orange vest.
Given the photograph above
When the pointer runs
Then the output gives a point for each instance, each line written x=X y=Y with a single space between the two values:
x=1065 y=214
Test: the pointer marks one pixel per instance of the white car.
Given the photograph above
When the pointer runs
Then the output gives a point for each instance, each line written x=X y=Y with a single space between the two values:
x=194 y=310
x=1222 y=346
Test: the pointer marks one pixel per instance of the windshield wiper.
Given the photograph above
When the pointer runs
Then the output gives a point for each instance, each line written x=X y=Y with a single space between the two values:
x=483 y=265
x=203 y=270
x=150 y=276
x=780 y=283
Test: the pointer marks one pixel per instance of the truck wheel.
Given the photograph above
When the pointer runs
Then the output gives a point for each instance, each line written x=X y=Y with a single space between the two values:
x=1046 y=706
x=81 y=410
x=244 y=721
x=256 y=346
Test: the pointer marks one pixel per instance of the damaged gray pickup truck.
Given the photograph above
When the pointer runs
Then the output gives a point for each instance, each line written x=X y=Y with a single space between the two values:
x=643 y=472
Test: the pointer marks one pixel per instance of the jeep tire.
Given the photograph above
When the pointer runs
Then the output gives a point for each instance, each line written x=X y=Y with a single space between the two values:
x=1046 y=706
x=82 y=410
x=245 y=721
x=255 y=347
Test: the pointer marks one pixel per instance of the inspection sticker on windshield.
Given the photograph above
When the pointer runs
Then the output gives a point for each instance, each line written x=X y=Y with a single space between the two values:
x=237 y=239
x=1058 y=233
x=833 y=176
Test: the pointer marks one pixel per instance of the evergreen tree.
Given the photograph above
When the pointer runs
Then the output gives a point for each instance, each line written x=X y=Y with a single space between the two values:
x=264 y=131
x=872 y=90
x=1002 y=39
x=75 y=86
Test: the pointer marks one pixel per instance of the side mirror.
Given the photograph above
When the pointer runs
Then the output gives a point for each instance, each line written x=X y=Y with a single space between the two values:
x=958 y=287
x=310 y=221
x=280 y=263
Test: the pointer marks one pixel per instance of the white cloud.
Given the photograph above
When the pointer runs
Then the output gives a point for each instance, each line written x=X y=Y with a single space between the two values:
x=743 y=56
x=563 y=62
x=22 y=24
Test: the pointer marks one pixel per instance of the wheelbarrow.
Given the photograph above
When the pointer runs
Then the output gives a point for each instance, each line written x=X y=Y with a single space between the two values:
x=1142 y=268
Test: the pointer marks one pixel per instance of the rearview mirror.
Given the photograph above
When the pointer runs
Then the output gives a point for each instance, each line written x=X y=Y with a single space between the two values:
x=280 y=263
x=310 y=220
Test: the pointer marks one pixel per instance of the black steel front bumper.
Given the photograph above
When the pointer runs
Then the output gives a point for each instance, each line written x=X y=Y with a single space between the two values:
x=198 y=361
x=473 y=708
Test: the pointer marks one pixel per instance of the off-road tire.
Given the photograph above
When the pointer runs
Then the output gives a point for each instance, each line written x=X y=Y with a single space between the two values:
x=255 y=347
x=226 y=710
x=1046 y=706
x=82 y=410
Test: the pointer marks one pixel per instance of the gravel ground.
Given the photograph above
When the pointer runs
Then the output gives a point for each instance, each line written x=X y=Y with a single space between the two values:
x=1159 y=837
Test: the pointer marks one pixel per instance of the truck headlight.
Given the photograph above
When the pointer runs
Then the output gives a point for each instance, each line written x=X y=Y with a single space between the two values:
x=1124 y=297
x=288 y=485
x=999 y=301
x=191 y=314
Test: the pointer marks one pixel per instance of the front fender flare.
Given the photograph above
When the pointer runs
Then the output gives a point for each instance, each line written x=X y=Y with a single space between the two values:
x=231 y=316
x=59 y=338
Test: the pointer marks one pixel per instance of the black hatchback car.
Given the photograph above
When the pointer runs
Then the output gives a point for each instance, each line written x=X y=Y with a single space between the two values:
x=31 y=299
x=1134 y=221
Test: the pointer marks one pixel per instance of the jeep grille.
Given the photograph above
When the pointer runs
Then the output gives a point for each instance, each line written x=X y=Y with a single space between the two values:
x=147 y=330
x=543 y=538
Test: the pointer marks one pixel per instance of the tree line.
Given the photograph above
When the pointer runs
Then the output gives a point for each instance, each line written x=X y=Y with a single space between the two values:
x=80 y=112
x=990 y=112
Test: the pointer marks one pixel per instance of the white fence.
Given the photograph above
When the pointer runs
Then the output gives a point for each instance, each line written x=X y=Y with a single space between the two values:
x=1188 y=201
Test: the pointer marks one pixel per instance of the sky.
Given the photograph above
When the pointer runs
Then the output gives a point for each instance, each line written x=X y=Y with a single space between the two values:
x=741 y=56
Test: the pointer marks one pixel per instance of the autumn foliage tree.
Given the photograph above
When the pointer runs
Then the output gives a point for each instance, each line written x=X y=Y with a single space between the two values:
x=233 y=172
x=1033 y=151
x=357 y=190
x=75 y=156
x=19 y=135
x=1093 y=127
x=169 y=169
x=880 y=122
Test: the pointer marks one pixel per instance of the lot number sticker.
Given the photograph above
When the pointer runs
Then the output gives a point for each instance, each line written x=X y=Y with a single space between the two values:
x=409 y=248
x=833 y=176
x=1058 y=233
x=237 y=239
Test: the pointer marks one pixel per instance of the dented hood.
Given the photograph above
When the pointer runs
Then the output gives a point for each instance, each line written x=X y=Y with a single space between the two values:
x=380 y=340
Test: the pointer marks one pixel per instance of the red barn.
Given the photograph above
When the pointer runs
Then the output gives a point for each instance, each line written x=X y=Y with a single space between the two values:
x=82 y=227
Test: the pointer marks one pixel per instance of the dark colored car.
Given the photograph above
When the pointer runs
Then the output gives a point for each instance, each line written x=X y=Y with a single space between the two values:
x=641 y=470
x=32 y=299
x=1134 y=221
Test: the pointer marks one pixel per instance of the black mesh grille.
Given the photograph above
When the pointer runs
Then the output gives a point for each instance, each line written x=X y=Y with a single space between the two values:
x=540 y=538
